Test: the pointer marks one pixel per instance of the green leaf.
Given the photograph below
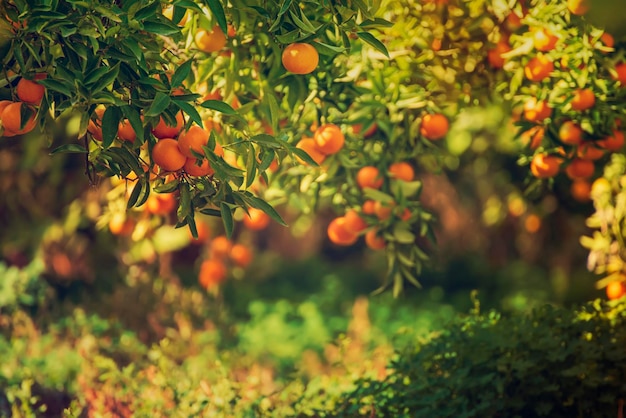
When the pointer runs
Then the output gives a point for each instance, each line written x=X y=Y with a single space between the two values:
x=370 y=39
x=218 y=12
x=219 y=106
x=140 y=193
x=267 y=141
x=375 y=194
x=189 y=110
x=304 y=156
x=211 y=212
x=69 y=149
x=58 y=86
x=251 y=166
x=107 y=79
x=261 y=204
x=133 y=116
x=165 y=27
x=185 y=207
x=167 y=187
x=181 y=73
x=227 y=219
x=110 y=123
x=284 y=7
x=160 y=103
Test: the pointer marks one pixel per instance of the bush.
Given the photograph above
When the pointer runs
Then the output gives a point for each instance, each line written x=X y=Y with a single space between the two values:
x=552 y=362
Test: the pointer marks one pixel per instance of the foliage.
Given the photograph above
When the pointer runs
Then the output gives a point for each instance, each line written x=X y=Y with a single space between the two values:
x=552 y=362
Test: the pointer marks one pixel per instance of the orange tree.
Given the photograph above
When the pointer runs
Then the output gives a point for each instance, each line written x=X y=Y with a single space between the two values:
x=230 y=108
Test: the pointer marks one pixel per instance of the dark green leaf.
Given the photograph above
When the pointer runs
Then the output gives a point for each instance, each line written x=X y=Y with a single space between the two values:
x=261 y=204
x=218 y=12
x=227 y=219
x=159 y=104
x=370 y=39
x=189 y=110
x=304 y=156
x=69 y=148
x=181 y=73
x=219 y=106
x=167 y=187
x=110 y=123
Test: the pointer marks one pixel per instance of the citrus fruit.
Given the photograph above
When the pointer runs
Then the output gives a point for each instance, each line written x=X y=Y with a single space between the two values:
x=300 y=58
x=369 y=176
x=329 y=139
x=167 y=155
x=434 y=126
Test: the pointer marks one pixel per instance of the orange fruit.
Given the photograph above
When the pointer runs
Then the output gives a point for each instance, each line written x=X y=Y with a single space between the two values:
x=538 y=68
x=161 y=203
x=193 y=140
x=533 y=137
x=532 y=223
x=29 y=91
x=369 y=207
x=3 y=105
x=434 y=126
x=369 y=176
x=256 y=219
x=125 y=131
x=204 y=233
x=12 y=118
x=374 y=241
x=231 y=31
x=329 y=139
x=167 y=155
x=241 y=255
x=494 y=55
x=578 y=7
x=353 y=221
x=212 y=125
x=581 y=190
x=168 y=12
x=570 y=133
x=357 y=128
x=536 y=110
x=383 y=210
x=212 y=273
x=401 y=171
x=607 y=40
x=95 y=126
x=220 y=247
x=121 y=225
x=406 y=214
x=583 y=99
x=620 y=73
x=339 y=234
x=588 y=150
x=580 y=169
x=309 y=146
x=300 y=58
x=544 y=40
x=164 y=130
x=513 y=22
x=544 y=166
x=615 y=290
x=192 y=168
x=614 y=142
x=210 y=41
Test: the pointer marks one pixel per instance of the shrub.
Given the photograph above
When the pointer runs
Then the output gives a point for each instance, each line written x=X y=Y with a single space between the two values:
x=554 y=362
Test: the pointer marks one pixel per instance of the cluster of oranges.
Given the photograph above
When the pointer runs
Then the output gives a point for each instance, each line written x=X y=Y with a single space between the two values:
x=176 y=149
x=369 y=218
x=554 y=116
x=221 y=254
x=19 y=117
x=345 y=230
x=328 y=139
